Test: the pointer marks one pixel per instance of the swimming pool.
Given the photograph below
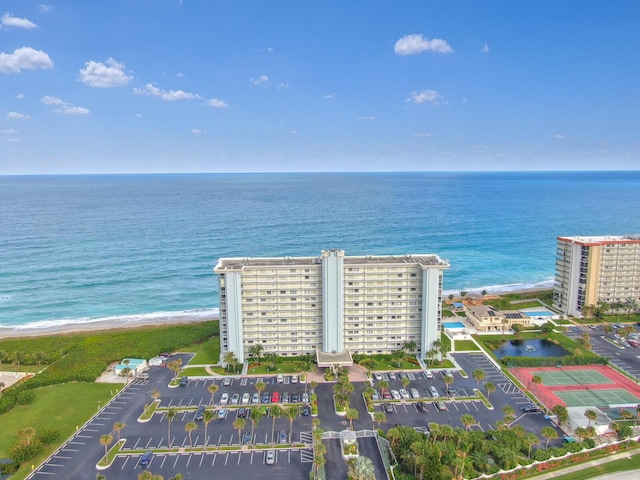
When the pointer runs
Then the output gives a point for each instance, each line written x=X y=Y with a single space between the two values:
x=540 y=313
x=453 y=325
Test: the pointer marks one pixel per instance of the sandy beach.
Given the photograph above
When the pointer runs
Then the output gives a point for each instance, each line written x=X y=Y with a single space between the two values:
x=65 y=328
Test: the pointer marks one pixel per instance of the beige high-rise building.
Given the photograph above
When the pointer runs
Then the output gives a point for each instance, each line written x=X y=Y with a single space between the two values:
x=331 y=305
x=596 y=268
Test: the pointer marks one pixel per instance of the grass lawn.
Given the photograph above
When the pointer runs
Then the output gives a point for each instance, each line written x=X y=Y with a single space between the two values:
x=55 y=407
x=466 y=345
x=391 y=365
x=284 y=367
x=518 y=306
x=562 y=322
x=603 y=469
x=6 y=367
x=446 y=341
x=226 y=371
x=195 y=372
x=207 y=353
x=447 y=313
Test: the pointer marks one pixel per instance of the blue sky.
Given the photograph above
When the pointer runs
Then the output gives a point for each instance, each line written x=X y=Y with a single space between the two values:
x=130 y=86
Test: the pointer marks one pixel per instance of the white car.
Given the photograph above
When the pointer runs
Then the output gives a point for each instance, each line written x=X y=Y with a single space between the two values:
x=396 y=395
x=428 y=374
x=246 y=398
x=256 y=398
x=434 y=392
x=271 y=457
x=294 y=379
x=224 y=399
x=414 y=393
x=404 y=394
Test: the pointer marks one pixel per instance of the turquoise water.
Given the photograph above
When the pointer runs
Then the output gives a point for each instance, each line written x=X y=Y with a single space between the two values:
x=542 y=313
x=75 y=249
x=453 y=325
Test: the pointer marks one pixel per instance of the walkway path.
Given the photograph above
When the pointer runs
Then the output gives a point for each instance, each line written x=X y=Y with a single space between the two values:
x=628 y=475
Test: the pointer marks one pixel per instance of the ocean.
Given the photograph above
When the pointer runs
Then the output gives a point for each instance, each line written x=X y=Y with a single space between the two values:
x=83 y=248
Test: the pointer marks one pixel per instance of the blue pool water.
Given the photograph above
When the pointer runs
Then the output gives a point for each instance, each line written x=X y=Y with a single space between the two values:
x=453 y=325
x=541 y=313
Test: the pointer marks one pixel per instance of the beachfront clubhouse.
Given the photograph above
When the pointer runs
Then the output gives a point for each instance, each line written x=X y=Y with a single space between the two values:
x=331 y=305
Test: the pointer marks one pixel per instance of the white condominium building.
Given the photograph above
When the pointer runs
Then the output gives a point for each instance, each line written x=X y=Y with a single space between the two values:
x=594 y=269
x=331 y=305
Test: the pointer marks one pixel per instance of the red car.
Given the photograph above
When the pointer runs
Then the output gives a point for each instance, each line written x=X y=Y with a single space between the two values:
x=275 y=397
x=386 y=395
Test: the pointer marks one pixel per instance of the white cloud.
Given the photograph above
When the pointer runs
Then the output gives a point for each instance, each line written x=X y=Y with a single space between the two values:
x=261 y=80
x=9 y=20
x=559 y=136
x=170 y=95
x=45 y=8
x=9 y=131
x=282 y=85
x=370 y=117
x=215 y=103
x=17 y=116
x=180 y=75
x=416 y=43
x=485 y=49
x=137 y=115
x=73 y=110
x=24 y=58
x=107 y=74
x=197 y=131
x=328 y=96
x=422 y=134
x=430 y=96
x=50 y=100
x=20 y=96
x=14 y=140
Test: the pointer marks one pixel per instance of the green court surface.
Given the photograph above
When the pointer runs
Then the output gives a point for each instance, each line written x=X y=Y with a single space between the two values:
x=572 y=377
x=600 y=398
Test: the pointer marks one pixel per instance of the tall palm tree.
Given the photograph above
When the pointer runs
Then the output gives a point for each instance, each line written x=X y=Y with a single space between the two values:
x=479 y=375
x=255 y=416
x=291 y=413
x=352 y=414
x=405 y=382
x=379 y=417
x=468 y=421
x=230 y=359
x=591 y=415
x=490 y=388
x=384 y=385
x=106 y=440
x=213 y=388
x=117 y=427
x=561 y=412
x=171 y=415
x=276 y=412
x=509 y=413
x=260 y=386
x=207 y=417
x=448 y=380
x=190 y=427
x=548 y=433
x=25 y=434
x=239 y=424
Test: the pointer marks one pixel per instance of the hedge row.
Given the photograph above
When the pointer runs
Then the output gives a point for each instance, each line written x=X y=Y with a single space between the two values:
x=553 y=361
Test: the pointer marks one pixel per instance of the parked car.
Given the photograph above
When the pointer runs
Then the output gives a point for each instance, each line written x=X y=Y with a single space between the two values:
x=226 y=382
x=282 y=437
x=235 y=399
x=421 y=406
x=428 y=374
x=145 y=459
x=246 y=397
x=199 y=413
x=414 y=393
x=386 y=395
x=165 y=354
x=266 y=398
x=295 y=398
x=275 y=397
x=387 y=407
x=433 y=391
x=375 y=396
x=285 y=398
x=295 y=379
x=402 y=375
x=440 y=405
x=377 y=376
x=280 y=378
x=305 y=397
x=224 y=399
x=306 y=410
x=242 y=412
x=404 y=394
x=392 y=376
x=270 y=458
x=222 y=413
x=396 y=395
x=255 y=398
x=531 y=408
x=183 y=381
x=246 y=438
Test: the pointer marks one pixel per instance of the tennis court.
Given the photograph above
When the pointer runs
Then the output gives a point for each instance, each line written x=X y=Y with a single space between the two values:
x=597 y=398
x=572 y=377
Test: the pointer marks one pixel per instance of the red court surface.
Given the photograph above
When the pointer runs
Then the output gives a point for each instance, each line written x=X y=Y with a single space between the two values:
x=586 y=381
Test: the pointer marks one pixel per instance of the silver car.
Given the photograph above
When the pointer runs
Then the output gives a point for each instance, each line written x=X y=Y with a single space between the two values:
x=414 y=393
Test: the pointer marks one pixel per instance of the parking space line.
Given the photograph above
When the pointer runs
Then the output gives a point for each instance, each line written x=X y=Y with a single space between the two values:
x=160 y=442
x=226 y=459
x=69 y=450
x=176 y=462
x=164 y=458
x=147 y=446
x=77 y=443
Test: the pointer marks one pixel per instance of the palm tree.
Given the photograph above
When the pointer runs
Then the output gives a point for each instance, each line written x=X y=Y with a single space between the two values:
x=291 y=413
x=260 y=386
x=468 y=421
x=171 y=415
x=117 y=427
x=490 y=388
x=531 y=439
x=448 y=380
x=207 y=417
x=314 y=385
x=384 y=385
x=106 y=440
x=190 y=427
x=536 y=380
x=255 y=416
x=368 y=392
x=509 y=413
x=276 y=412
x=549 y=433
x=479 y=375
x=25 y=434
x=352 y=414
x=213 y=388
x=231 y=361
x=239 y=424
x=591 y=415
x=379 y=417
x=175 y=366
x=405 y=382
x=360 y=468
x=155 y=394
x=561 y=412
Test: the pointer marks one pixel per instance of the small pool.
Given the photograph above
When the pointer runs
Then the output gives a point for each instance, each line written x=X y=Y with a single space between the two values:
x=538 y=313
x=453 y=325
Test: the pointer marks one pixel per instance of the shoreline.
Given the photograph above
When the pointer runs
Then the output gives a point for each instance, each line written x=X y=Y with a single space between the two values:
x=25 y=331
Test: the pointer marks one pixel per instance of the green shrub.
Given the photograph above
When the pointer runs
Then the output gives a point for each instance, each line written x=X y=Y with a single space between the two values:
x=589 y=443
x=23 y=452
x=557 y=451
x=576 y=447
x=541 y=455
x=48 y=436
x=25 y=397
x=9 y=468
